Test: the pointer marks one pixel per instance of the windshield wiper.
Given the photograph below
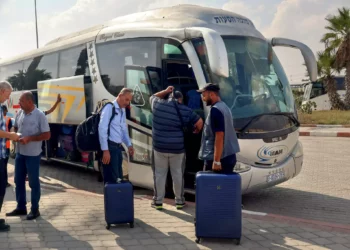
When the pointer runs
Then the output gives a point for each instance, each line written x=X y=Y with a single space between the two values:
x=254 y=118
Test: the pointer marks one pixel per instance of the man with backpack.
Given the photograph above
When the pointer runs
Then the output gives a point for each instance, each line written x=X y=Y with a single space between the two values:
x=112 y=131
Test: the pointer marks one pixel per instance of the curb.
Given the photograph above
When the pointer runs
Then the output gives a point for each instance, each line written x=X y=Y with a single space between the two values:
x=324 y=126
x=325 y=134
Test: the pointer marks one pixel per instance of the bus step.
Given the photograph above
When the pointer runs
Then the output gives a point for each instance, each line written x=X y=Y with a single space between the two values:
x=191 y=173
x=190 y=191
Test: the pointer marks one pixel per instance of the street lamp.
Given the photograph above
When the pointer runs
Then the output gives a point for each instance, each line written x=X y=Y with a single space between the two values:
x=36 y=26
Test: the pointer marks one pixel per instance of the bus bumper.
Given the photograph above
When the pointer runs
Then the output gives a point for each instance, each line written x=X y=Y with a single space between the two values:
x=268 y=177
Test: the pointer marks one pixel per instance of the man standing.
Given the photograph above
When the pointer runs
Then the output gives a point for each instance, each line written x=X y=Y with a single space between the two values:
x=32 y=124
x=168 y=143
x=219 y=140
x=111 y=145
x=5 y=92
x=8 y=123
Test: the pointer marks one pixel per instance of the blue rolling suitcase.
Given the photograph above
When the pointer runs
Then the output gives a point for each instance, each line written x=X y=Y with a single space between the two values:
x=218 y=206
x=119 y=203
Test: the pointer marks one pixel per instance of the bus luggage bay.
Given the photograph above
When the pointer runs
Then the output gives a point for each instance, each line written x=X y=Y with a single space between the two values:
x=185 y=46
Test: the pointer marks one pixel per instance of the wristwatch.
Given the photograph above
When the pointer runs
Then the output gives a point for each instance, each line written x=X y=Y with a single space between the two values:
x=217 y=163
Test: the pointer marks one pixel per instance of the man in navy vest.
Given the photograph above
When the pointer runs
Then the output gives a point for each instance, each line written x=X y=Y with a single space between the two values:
x=219 y=139
x=168 y=143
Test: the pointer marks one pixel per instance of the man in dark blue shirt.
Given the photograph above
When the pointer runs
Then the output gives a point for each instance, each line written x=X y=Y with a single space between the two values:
x=219 y=140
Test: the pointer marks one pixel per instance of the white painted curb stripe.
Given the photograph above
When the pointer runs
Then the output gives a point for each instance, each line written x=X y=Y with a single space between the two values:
x=253 y=213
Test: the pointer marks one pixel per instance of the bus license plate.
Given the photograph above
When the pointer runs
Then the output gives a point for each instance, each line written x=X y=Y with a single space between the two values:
x=275 y=177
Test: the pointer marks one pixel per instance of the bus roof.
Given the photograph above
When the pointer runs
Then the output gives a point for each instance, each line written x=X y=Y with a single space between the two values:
x=175 y=18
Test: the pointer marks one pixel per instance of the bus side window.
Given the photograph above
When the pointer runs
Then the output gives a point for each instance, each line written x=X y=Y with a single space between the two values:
x=136 y=78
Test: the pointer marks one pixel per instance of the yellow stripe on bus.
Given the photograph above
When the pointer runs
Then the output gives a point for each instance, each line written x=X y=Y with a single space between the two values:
x=49 y=86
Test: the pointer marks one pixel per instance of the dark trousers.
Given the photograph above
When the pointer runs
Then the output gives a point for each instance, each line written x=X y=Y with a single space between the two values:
x=6 y=161
x=27 y=165
x=113 y=170
x=227 y=165
x=3 y=182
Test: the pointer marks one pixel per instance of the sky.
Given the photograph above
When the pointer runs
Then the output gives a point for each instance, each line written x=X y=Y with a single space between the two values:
x=302 y=20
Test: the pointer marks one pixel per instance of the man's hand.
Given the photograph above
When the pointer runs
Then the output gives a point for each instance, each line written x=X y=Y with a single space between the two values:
x=14 y=136
x=198 y=126
x=131 y=151
x=162 y=94
x=169 y=89
x=24 y=140
x=59 y=98
x=106 y=157
x=216 y=167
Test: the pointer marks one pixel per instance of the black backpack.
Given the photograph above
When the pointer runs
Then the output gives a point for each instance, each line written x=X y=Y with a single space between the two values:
x=86 y=135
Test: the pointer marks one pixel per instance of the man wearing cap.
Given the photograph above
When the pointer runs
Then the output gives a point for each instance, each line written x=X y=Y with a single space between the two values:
x=219 y=141
x=168 y=143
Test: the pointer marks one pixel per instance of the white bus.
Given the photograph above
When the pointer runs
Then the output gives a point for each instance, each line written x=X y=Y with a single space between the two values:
x=185 y=46
x=316 y=92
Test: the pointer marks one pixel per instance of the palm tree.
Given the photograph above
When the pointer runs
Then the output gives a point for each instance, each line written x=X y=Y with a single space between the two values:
x=326 y=72
x=17 y=80
x=33 y=76
x=338 y=40
x=28 y=80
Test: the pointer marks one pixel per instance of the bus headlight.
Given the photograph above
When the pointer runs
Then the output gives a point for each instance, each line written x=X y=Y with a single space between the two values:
x=241 y=167
x=298 y=150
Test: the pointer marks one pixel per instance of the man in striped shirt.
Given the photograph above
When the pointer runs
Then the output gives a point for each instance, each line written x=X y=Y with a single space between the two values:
x=5 y=92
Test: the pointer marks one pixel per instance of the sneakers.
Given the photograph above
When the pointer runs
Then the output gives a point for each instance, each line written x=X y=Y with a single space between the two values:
x=33 y=215
x=160 y=206
x=16 y=212
x=180 y=206
x=157 y=206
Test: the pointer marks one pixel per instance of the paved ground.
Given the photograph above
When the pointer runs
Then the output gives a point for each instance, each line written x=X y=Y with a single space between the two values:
x=75 y=218
x=320 y=192
x=76 y=221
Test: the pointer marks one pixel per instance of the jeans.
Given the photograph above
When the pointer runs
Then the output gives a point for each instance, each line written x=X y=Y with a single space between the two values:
x=6 y=161
x=113 y=170
x=3 y=182
x=27 y=165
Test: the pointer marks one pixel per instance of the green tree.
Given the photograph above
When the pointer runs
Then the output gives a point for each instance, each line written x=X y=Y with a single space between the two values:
x=325 y=60
x=337 y=41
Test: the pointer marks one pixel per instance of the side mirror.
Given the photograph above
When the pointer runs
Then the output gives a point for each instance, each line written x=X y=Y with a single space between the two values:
x=307 y=53
x=216 y=49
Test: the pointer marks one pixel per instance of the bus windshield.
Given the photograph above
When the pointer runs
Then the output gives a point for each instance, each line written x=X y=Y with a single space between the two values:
x=257 y=83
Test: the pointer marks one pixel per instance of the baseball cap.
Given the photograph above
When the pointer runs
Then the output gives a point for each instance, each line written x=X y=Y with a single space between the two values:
x=209 y=87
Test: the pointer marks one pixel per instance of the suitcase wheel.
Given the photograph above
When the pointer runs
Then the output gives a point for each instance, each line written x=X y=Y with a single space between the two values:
x=238 y=241
x=108 y=226
x=198 y=240
x=132 y=225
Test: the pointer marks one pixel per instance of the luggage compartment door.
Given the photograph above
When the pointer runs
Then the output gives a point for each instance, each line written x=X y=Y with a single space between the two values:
x=72 y=109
